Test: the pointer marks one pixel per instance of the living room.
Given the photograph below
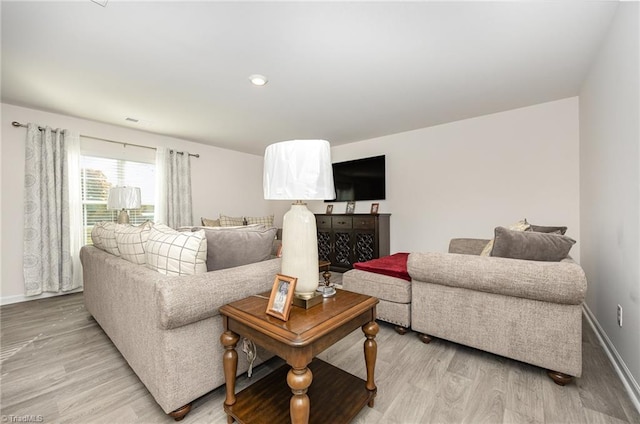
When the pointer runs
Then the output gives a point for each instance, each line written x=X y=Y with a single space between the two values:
x=572 y=160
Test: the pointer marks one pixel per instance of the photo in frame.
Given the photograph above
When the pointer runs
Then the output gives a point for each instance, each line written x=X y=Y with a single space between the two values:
x=329 y=209
x=281 y=297
x=351 y=207
x=374 y=208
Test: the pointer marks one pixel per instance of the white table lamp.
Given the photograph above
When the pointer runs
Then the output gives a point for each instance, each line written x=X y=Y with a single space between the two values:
x=123 y=198
x=299 y=170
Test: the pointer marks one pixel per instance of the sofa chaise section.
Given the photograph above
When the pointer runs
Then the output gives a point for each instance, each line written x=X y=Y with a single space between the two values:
x=525 y=310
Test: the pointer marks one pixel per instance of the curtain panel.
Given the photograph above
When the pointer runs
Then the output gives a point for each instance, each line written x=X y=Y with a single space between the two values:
x=52 y=217
x=173 y=197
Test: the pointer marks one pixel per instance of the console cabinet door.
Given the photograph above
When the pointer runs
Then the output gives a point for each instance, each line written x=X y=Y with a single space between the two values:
x=346 y=239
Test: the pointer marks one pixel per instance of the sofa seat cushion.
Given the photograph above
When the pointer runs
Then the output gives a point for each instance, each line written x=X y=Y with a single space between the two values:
x=561 y=282
x=384 y=287
x=393 y=265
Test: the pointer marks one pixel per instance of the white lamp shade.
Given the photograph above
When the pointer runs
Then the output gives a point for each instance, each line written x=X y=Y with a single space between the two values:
x=298 y=170
x=124 y=198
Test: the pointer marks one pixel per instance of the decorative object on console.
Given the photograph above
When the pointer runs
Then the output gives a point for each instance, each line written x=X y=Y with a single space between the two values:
x=123 y=198
x=329 y=209
x=374 y=208
x=351 y=207
x=299 y=170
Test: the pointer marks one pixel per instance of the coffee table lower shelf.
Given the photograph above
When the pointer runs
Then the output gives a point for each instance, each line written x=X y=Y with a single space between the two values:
x=335 y=395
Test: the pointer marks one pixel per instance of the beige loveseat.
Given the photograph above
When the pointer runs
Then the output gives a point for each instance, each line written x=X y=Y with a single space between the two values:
x=168 y=327
x=521 y=309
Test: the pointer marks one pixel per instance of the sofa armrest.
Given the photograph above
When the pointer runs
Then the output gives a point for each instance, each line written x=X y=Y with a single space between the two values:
x=467 y=246
x=557 y=282
x=187 y=299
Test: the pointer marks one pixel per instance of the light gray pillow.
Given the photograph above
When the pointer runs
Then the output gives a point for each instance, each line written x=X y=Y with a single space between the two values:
x=530 y=245
x=231 y=247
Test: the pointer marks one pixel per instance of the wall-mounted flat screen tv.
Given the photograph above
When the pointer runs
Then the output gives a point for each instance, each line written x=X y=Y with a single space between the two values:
x=360 y=179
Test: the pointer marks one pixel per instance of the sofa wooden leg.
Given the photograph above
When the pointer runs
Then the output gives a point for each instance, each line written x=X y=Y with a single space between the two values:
x=559 y=378
x=181 y=412
x=401 y=330
x=424 y=338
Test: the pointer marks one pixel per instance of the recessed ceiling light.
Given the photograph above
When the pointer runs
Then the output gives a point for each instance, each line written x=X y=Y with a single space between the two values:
x=258 y=79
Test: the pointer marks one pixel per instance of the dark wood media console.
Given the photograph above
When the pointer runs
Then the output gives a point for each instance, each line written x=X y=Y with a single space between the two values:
x=344 y=239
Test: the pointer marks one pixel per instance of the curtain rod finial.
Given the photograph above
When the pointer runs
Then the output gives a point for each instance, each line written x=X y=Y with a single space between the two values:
x=16 y=124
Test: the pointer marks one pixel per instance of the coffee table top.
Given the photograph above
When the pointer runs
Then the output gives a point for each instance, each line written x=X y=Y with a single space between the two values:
x=304 y=325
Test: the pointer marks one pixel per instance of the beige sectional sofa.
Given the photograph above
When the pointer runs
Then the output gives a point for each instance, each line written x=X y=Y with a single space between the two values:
x=168 y=327
x=527 y=310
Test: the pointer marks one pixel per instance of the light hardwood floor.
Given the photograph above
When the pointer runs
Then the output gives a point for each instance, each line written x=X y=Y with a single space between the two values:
x=58 y=364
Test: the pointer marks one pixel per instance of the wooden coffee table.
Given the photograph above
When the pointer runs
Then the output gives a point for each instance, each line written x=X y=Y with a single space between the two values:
x=305 y=389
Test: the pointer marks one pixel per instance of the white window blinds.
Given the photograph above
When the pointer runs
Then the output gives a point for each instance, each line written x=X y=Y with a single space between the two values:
x=99 y=174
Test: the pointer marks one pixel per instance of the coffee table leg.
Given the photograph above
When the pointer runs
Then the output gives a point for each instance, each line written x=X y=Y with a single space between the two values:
x=299 y=380
x=229 y=340
x=370 y=353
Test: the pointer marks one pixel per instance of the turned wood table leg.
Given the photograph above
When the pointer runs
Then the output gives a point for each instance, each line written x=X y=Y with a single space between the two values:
x=299 y=380
x=370 y=354
x=229 y=340
x=559 y=378
x=180 y=413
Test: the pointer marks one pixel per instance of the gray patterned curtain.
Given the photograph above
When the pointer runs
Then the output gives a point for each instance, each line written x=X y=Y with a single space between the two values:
x=48 y=240
x=174 y=188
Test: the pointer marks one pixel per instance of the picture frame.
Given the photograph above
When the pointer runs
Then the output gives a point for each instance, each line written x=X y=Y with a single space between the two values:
x=329 y=209
x=281 y=298
x=374 y=208
x=351 y=207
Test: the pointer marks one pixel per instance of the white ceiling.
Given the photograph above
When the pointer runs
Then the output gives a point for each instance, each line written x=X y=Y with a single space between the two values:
x=341 y=71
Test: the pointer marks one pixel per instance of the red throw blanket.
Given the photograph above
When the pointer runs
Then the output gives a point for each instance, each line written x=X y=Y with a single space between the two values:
x=393 y=266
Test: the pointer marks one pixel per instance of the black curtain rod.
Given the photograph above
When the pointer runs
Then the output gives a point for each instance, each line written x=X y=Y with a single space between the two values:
x=195 y=155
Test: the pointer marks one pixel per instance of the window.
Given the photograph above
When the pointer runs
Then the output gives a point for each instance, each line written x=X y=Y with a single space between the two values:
x=99 y=174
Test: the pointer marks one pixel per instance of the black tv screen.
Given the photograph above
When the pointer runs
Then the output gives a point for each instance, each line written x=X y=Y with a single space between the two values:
x=360 y=179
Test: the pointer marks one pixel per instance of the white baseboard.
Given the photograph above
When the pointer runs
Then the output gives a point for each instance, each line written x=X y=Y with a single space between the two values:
x=7 y=300
x=630 y=384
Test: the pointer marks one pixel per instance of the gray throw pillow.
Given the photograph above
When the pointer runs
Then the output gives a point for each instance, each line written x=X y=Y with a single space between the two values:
x=530 y=245
x=547 y=229
x=231 y=247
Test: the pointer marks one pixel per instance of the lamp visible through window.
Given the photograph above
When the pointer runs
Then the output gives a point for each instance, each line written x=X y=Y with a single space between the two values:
x=124 y=198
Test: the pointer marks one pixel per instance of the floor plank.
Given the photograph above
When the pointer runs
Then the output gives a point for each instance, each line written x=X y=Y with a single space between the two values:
x=57 y=362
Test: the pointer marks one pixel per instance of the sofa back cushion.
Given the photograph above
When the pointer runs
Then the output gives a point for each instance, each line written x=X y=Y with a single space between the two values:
x=530 y=245
x=103 y=236
x=176 y=253
x=231 y=221
x=231 y=247
x=131 y=241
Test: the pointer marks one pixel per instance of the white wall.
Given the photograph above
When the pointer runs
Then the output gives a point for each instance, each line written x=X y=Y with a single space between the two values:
x=223 y=181
x=464 y=178
x=610 y=187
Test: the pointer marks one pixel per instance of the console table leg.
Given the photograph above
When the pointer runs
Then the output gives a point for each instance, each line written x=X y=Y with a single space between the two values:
x=229 y=340
x=370 y=353
x=299 y=380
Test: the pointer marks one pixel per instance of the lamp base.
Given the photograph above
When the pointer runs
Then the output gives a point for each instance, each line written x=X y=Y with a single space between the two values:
x=300 y=249
x=123 y=217
x=308 y=302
